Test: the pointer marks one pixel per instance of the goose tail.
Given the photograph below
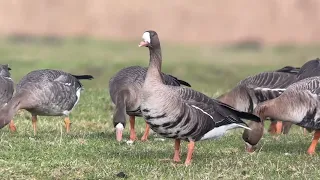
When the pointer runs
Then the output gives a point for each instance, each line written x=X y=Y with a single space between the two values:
x=176 y=80
x=240 y=114
x=184 y=83
x=289 y=69
x=89 y=77
x=248 y=116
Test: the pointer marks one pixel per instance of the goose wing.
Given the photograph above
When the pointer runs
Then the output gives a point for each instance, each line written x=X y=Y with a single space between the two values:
x=289 y=69
x=68 y=80
x=174 y=81
x=270 y=80
x=217 y=111
x=311 y=84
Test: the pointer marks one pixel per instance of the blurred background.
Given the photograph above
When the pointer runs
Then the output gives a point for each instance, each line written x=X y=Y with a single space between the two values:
x=212 y=44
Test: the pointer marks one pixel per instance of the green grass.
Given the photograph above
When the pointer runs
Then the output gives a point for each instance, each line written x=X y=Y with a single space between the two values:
x=90 y=150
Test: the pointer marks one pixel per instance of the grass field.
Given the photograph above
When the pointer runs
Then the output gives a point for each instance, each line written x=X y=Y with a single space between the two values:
x=90 y=151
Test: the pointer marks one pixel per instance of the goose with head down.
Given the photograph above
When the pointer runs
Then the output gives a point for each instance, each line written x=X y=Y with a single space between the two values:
x=298 y=104
x=45 y=92
x=124 y=89
x=299 y=97
x=6 y=89
x=244 y=98
x=181 y=113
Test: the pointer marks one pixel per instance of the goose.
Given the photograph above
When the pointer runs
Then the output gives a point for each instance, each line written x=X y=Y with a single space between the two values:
x=6 y=89
x=124 y=90
x=298 y=104
x=179 y=112
x=45 y=92
x=245 y=99
x=309 y=69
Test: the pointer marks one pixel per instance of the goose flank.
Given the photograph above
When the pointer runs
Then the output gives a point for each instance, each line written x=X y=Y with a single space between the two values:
x=181 y=113
x=124 y=90
x=45 y=92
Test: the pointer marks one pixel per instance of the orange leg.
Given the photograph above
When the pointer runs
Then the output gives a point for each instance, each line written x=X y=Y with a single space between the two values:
x=12 y=127
x=67 y=123
x=279 y=127
x=176 y=157
x=34 y=124
x=275 y=127
x=146 y=133
x=190 y=151
x=272 y=129
x=133 y=135
x=314 y=143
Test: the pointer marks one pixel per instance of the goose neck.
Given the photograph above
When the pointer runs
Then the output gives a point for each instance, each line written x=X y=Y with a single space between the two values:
x=154 y=70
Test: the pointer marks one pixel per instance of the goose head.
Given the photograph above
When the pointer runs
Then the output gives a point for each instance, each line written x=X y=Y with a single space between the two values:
x=4 y=70
x=150 y=39
x=253 y=136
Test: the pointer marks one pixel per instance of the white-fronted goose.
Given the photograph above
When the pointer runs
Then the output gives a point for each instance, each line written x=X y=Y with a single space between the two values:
x=181 y=113
x=124 y=90
x=6 y=89
x=309 y=69
x=244 y=98
x=45 y=93
x=298 y=104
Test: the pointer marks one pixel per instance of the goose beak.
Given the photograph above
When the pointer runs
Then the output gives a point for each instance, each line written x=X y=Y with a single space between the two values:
x=9 y=68
x=249 y=148
x=119 y=134
x=143 y=43
x=119 y=129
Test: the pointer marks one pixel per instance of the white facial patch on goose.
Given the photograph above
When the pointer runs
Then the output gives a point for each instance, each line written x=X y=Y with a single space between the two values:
x=202 y=111
x=119 y=126
x=146 y=37
x=221 y=130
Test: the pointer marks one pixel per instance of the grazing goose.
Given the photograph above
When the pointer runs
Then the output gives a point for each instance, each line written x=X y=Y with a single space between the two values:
x=124 y=90
x=6 y=89
x=298 y=104
x=309 y=69
x=182 y=113
x=244 y=98
x=46 y=93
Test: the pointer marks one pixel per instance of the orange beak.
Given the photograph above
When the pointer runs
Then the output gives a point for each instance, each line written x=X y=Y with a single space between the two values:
x=119 y=134
x=143 y=43
x=249 y=148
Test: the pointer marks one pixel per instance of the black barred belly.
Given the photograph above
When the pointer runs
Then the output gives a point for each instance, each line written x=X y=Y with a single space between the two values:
x=310 y=124
x=180 y=127
x=309 y=121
